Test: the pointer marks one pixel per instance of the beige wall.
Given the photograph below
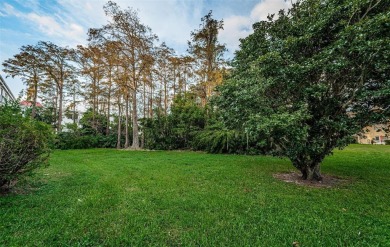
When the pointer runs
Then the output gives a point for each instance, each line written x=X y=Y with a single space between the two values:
x=374 y=133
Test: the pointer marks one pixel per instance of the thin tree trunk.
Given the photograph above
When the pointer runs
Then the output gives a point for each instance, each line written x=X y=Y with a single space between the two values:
x=127 y=122
x=185 y=85
x=59 y=127
x=34 y=103
x=55 y=109
x=94 y=107
x=108 y=104
x=165 y=97
x=151 y=102
x=144 y=114
x=174 y=81
x=135 y=144
x=118 y=142
x=74 y=107
x=144 y=99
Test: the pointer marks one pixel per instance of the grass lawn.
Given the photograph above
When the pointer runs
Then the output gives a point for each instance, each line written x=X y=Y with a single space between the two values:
x=105 y=197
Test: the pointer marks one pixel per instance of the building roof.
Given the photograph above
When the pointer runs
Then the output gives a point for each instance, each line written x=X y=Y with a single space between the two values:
x=29 y=103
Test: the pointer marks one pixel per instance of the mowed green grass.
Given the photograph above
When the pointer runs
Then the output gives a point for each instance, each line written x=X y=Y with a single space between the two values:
x=105 y=197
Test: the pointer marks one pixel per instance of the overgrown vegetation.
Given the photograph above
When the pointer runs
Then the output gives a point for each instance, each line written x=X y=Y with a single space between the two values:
x=24 y=143
x=91 y=134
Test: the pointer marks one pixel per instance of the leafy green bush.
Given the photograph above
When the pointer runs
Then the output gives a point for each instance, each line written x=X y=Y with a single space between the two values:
x=70 y=140
x=216 y=139
x=24 y=143
x=387 y=142
x=92 y=133
x=175 y=130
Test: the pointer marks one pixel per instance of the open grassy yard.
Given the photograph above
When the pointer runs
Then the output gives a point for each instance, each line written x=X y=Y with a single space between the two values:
x=126 y=198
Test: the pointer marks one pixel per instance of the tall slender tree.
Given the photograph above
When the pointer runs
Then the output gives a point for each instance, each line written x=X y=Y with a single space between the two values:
x=110 y=60
x=91 y=66
x=56 y=63
x=27 y=65
x=164 y=71
x=136 y=42
x=208 y=52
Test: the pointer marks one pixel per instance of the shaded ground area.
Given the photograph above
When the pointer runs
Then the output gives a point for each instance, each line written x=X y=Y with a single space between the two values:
x=328 y=181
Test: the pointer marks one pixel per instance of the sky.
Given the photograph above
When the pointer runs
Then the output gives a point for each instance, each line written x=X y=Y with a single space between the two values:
x=66 y=22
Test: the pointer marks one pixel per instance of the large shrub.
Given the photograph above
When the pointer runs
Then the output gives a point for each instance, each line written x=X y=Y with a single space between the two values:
x=24 y=143
x=75 y=140
x=175 y=130
x=92 y=133
x=221 y=140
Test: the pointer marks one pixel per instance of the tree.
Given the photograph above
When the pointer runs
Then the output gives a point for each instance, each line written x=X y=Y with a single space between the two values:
x=56 y=65
x=311 y=78
x=90 y=61
x=164 y=71
x=135 y=41
x=28 y=66
x=208 y=52
x=111 y=59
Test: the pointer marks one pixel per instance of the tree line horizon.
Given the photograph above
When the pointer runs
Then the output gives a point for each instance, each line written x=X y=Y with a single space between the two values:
x=120 y=67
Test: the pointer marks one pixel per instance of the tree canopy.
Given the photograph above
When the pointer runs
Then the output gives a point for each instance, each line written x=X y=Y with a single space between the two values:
x=309 y=78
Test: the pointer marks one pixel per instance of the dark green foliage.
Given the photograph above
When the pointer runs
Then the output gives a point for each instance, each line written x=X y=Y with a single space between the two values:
x=387 y=142
x=311 y=78
x=91 y=134
x=158 y=133
x=43 y=114
x=47 y=115
x=93 y=123
x=217 y=138
x=177 y=129
x=190 y=126
x=69 y=140
x=24 y=143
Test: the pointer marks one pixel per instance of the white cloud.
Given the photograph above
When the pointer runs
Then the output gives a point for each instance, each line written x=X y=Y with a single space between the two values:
x=9 y=10
x=171 y=20
x=266 y=7
x=237 y=27
x=51 y=26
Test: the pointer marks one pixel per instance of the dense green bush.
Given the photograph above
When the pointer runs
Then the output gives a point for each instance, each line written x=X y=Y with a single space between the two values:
x=91 y=132
x=24 y=143
x=190 y=126
x=93 y=123
x=216 y=138
x=75 y=140
x=387 y=142
x=177 y=129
